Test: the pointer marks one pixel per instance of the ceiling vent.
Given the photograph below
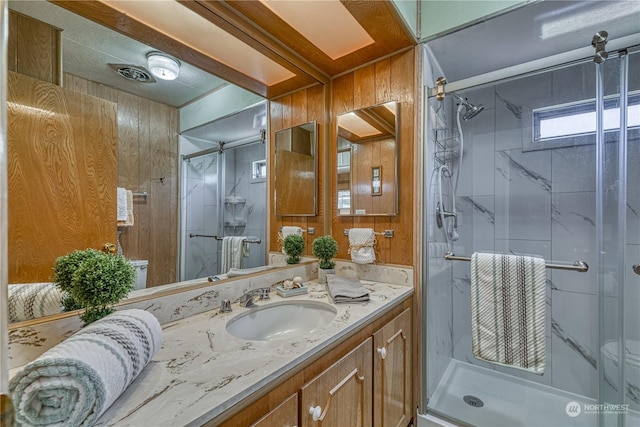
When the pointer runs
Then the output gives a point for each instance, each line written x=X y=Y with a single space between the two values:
x=133 y=72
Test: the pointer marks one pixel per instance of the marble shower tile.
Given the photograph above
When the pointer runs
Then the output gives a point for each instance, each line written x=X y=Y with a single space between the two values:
x=523 y=195
x=476 y=225
x=573 y=231
x=476 y=175
x=575 y=342
x=439 y=325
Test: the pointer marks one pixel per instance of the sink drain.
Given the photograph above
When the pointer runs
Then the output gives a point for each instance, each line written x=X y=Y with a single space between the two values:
x=473 y=401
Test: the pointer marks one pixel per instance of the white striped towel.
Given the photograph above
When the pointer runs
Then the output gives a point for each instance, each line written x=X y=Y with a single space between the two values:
x=286 y=231
x=508 y=310
x=32 y=300
x=122 y=204
x=73 y=383
x=362 y=243
x=233 y=249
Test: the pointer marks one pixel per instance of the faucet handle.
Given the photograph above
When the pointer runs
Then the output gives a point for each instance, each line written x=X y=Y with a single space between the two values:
x=264 y=293
x=225 y=306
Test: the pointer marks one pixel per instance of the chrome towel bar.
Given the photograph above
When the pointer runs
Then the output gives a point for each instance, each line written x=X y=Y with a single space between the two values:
x=248 y=240
x=579 y=266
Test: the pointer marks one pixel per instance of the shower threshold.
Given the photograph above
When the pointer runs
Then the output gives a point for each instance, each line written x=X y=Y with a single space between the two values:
x=506 y=400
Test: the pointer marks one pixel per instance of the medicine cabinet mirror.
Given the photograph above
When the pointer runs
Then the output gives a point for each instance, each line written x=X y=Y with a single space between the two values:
x=367 y=181
x=296 y=170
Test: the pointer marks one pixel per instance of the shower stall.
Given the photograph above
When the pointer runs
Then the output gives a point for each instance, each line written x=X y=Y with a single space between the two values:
x=545 y=164
x=224 y=194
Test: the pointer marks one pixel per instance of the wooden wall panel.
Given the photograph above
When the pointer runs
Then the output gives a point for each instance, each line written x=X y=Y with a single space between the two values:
x=386 y=80
x=292 y=110
x=62 y=175
x=148 y=162
x=34 y=48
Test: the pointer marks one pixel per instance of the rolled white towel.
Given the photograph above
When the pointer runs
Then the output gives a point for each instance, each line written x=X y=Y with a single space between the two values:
x=32 y=300
x=73 y=383
x=362 y=245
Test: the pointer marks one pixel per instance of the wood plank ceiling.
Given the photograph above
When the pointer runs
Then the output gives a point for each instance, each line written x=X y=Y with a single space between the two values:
x=256 y=25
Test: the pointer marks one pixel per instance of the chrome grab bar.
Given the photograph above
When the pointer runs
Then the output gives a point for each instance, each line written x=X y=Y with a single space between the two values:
x=579 y=266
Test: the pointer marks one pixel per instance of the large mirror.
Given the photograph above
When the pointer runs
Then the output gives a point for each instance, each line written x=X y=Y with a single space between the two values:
x=150 y=117
x=296 y=171
x=367 y=181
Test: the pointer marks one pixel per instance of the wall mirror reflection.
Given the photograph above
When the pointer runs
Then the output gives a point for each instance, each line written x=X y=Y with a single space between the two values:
x=295 y=169
x=58 y=53
x=367 y=161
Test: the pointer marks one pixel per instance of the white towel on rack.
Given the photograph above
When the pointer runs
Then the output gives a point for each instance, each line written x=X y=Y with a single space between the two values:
x=233 y=249
x=122 y=204
x=362 y=245
x=508 y=310
x=288 y=230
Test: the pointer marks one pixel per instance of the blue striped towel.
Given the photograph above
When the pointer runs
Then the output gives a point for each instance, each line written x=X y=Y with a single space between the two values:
x=73 y=383
x=508 y=310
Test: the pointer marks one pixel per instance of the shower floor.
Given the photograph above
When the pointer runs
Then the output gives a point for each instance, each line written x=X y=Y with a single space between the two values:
x=508 y=401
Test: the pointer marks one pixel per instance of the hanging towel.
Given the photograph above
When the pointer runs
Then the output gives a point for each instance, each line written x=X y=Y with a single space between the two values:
x=287 y=230
x=122 y=204
x=73 y=383
x=32 y=300
x=343 y=289
x=128 y=222
x=508 y=310
x=362 y=243
x=233 y=249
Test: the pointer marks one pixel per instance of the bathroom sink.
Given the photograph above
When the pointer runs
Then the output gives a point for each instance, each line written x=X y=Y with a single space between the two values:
x=281 y=320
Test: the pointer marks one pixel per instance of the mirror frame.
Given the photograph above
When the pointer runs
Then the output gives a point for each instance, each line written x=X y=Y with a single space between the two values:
x=379 y=167
x=314 y=149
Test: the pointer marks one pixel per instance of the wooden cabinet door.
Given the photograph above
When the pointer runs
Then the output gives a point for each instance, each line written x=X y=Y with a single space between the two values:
x=284 y=415
x=62 y=173
x=392 y=373
x=343 y=392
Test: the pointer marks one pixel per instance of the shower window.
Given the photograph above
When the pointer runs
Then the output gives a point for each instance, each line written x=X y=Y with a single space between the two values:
x=574 y=124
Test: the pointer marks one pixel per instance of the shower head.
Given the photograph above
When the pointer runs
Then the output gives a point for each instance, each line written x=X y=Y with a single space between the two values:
x=470 y=110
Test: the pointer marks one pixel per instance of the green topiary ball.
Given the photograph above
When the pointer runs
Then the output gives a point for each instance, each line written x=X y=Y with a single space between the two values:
x=293 y=246
x=325 y=248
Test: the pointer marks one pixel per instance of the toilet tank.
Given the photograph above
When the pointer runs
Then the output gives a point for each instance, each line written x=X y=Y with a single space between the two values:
x=141 y=266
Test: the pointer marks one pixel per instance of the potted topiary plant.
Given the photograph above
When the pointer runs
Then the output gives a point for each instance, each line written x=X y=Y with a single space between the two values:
x=93 y=280
x=325 y=248
x=293 y=246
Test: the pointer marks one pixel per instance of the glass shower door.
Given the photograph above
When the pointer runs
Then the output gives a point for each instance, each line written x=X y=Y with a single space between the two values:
x=619 y=241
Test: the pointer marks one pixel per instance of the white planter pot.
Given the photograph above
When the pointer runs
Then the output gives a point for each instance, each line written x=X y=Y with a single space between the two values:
x=322 y=274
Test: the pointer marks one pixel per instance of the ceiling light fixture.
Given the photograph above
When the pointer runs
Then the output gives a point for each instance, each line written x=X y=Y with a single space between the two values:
x=163 y=66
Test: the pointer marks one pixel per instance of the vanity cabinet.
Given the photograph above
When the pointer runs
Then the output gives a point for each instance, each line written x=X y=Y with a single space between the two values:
x=284 y=415
x=364 y=381
x=392 y=371
x=341 y=395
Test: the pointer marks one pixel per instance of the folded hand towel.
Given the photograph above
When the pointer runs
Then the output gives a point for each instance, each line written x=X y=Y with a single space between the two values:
x=128 y=221
x=508 y=310
x=343 y=289
x=361 y=245
x=122 y=204
x=73 y=383
x=32 y=300
x=233 y=248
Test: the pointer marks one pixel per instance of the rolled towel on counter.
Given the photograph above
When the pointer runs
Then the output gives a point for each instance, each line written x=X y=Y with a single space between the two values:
x=362 y=243
x=343 y=289
x=73 y=383
x=32 y=300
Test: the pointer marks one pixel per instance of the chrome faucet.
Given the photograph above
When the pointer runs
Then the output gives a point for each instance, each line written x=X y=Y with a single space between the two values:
x=248 y=298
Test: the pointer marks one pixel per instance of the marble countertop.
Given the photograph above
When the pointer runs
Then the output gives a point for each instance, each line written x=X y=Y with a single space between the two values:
x=201 y=370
